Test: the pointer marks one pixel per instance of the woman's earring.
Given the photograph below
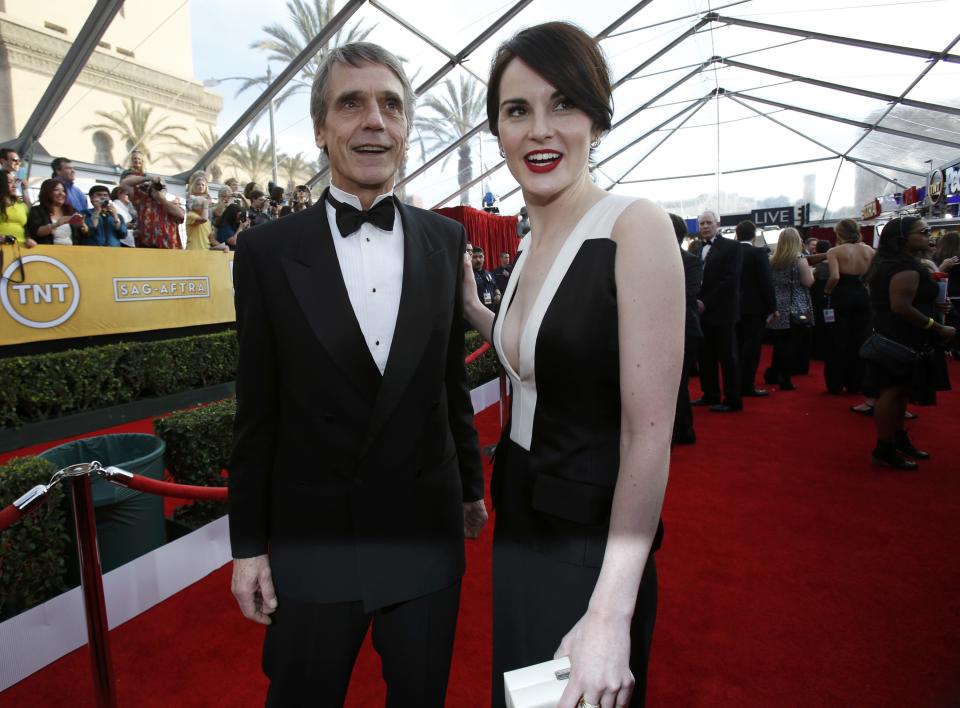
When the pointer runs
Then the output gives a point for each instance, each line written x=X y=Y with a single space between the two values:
x=595 y=143
x=500 y=148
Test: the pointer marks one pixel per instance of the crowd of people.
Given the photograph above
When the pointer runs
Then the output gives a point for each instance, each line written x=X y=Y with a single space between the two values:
x=842 y=302
x=136 y=213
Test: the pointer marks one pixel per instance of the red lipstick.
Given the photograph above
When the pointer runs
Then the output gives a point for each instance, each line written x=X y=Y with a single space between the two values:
x=540 y=161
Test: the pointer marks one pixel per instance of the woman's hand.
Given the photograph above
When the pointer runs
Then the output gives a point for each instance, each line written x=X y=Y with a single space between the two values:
x=30 y=243
x=599 y=651
x=947 y=332
x=948 y=264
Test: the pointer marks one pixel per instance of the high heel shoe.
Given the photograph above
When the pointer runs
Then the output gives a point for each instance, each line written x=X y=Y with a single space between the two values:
x=903 y=445
x=886 y=455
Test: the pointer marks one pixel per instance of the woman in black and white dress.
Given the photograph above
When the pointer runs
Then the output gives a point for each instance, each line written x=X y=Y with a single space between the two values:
x=590 y=332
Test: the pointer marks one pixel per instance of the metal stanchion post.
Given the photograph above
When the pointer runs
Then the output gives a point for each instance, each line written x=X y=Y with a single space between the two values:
x=92 y=583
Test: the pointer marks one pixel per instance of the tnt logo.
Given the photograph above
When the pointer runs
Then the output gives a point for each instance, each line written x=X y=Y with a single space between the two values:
x=47 y=298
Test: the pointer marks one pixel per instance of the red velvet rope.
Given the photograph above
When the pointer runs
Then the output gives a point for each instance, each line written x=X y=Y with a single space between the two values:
x=9 y=516
x=477 y=354
x=181 y=491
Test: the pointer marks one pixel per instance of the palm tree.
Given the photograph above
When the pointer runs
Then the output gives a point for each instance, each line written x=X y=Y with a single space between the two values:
x=294 y=168
x=457 y=110
x=135 y=128
x=308 y=18
x=254 y=157
x=193 y=151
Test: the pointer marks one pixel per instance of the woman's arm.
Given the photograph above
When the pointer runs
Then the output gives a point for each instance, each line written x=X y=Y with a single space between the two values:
x=650 y=303
x=479 y=317
x=903 y=288
x=834 y=262
x=806 y=273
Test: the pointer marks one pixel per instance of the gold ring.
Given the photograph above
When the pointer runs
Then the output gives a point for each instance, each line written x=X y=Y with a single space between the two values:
x=583 y=704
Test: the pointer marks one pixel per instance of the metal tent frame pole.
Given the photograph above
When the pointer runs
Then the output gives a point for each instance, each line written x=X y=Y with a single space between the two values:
x=73 y=63
x=292 y=69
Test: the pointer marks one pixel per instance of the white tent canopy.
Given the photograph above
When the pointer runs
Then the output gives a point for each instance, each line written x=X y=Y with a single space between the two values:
x=731 y=106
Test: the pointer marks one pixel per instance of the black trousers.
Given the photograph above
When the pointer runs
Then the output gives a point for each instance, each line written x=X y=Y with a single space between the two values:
x=750 y=336
x=720 y=353
x=310 y=649
x=843 y=367
x=787 y=350
x=683 y=420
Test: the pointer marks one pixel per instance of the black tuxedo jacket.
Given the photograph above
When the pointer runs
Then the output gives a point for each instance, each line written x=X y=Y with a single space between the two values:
x=352 y=481
x=693 y=278
x=720 y=291
x=756 y=282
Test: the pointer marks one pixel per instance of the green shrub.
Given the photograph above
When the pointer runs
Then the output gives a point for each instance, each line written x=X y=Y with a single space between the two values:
x=486 y=367
x=32 y=550
x=198 y=446
x=47 y=386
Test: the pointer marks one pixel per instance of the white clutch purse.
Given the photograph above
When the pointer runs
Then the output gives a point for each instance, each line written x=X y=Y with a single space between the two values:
x=537 y=686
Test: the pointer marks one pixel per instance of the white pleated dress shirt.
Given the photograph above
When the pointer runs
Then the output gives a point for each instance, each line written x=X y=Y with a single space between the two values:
x=371 y=262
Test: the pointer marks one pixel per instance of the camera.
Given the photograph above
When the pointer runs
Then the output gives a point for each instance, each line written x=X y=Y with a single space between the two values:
x=242 y=216
x=154 y=184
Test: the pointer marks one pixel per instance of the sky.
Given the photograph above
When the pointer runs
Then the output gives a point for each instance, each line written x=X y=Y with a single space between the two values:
x=722 y=133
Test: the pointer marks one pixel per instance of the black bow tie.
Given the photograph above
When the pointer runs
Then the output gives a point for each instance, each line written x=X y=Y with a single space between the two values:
x=350 y=219
x=708 y=242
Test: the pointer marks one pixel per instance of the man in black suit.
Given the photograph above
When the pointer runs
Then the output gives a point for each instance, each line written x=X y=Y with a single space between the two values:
x=757 y=302
x=719 y=306
x=355 y=472
x=683 y=432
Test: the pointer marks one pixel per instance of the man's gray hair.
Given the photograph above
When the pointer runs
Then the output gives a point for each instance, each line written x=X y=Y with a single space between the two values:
x=712 y=213
x=357 y=54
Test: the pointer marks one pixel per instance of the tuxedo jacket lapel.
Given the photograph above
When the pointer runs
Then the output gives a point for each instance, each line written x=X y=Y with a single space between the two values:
x=317 y=282
x=422 y=267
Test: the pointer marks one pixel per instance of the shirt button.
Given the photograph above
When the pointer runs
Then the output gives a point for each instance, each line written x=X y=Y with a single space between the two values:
x=368 y=239
x=374 y=290
x=377 y=342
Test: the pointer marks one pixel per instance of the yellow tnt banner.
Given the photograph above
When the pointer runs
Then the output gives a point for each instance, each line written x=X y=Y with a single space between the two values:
x=61 y=292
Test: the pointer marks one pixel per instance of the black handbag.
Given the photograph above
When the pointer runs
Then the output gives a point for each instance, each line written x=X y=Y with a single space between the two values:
x=896 y=358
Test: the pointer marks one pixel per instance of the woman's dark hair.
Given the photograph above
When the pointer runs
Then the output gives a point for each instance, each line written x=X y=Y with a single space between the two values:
x=230 y=216
x=567 y=58
x=7 y=198
x=893 y=238
x=823 y=246
x=948 y=246
x=46 y=195
x=679 y=227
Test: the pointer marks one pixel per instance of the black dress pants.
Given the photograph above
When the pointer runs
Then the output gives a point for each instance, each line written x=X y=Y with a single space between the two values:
x=720 y=353
x=310 y=649
x=683 y=420
x=843 y=367
x=787 y=350
x=750 y=331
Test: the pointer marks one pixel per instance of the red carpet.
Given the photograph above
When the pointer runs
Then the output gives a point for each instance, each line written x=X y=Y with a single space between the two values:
x=793 y=574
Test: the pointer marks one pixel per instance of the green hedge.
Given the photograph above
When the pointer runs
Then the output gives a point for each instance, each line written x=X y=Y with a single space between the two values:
x=53 y=385
x=486 y=367
x=198 y=446
x=32 y=567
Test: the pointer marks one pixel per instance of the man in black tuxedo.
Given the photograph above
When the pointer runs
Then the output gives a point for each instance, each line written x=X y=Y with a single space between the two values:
x=683 y=432
x=356 y=471
x=757 y=302
x=719 y=306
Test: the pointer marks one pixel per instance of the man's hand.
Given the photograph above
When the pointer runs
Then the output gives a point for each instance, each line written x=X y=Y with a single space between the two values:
x=474 y=518
x=252 y=585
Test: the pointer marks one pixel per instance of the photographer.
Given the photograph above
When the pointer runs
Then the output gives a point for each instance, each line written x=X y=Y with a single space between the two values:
x=233 y=221
x=157 y=218
x=105 y=226
x=301 y=197
x=121 y=202
x=258 y=204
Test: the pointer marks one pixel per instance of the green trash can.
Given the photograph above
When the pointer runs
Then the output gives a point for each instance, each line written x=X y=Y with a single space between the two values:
x=129 y=523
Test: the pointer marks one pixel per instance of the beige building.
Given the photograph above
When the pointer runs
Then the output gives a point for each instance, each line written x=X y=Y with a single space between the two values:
x=145 y=55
